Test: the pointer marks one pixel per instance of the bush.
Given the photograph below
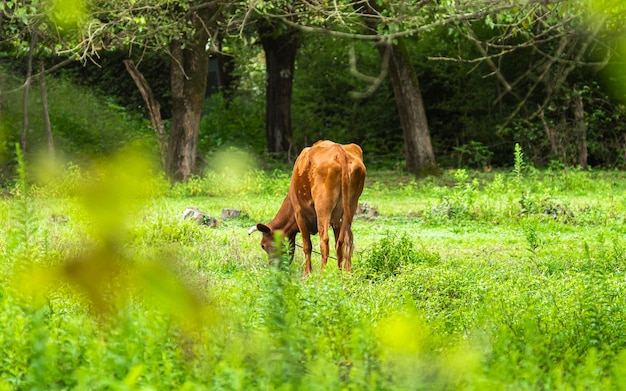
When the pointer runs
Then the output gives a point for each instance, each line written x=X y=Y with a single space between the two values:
x=85 y=126
x=386 y=257
x=237 y=122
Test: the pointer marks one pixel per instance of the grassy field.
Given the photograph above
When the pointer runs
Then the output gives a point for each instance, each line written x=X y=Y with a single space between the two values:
x=506 y=280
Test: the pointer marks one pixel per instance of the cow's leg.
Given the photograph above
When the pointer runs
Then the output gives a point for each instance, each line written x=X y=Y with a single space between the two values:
x=336 y=232
x=324 y=248
x=322 y=228
x=307 y=247
x=344 y=245
x=344 y=248
x=324 y=210
x=292 y=248
x=325 y=194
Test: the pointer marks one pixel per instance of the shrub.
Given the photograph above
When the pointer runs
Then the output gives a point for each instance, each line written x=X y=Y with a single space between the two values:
x=460 y=201
x=84 y=125
x=234 y=122
x=386 y=257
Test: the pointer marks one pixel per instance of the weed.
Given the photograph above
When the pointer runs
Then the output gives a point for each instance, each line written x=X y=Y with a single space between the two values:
x=546 y=207
x=278 y=314
x=533 y=240
x=389 y=255
x=475 y=154
x=497 y=187
x=226 y=182
x=460 y=203
x=22 y=232
x=518 y=163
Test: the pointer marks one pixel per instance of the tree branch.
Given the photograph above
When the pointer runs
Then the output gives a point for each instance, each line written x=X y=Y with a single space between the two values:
x=374 y=82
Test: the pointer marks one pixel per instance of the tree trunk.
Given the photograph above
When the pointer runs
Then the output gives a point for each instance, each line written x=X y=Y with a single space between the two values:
x=29 y=75
x=154 y=108
x=46 y=112
x=1 y=100
x=581 y=129
x=188 y=78
x=556 y=145
x=418 y=149
x=226 y=80
x=280 y=46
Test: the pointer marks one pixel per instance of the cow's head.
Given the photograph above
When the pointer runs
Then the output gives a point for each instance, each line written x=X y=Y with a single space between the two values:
x=268 y=242
x=272 y=243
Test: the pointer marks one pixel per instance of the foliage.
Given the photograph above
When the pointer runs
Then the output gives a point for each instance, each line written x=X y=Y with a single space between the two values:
x=235 y=122
x=474 y=154
x=386 y=257
x=226 y=181
x=461 y=201
x=470 y=112
x=20 y=245
x=497 y=297
x=108 y=77
x=84 y=125
x=323 y=107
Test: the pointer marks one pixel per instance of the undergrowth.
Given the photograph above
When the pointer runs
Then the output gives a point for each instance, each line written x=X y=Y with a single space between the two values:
x=505 y=280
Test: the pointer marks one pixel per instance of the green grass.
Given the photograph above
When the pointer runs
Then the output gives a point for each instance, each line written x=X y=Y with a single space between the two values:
x=488 y=281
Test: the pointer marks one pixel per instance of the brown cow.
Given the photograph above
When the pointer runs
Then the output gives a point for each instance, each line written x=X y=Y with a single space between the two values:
x=327 y=181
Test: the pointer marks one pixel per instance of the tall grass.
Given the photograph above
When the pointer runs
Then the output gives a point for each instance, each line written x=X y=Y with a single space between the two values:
x=468 y=281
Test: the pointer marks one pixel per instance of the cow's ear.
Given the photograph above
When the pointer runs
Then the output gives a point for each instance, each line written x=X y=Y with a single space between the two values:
x=263 y=228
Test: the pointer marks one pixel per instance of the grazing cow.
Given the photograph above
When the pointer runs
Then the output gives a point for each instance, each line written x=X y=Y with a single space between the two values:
x=327 y=181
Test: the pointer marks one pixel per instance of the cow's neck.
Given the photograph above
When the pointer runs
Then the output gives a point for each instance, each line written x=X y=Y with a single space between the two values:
x=285 y=220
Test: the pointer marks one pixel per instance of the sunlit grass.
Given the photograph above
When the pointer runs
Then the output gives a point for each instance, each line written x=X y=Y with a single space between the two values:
x=469 y=281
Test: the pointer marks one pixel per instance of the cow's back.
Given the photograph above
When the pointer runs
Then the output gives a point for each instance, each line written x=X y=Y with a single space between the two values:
x=317 y=178
x=327 y=155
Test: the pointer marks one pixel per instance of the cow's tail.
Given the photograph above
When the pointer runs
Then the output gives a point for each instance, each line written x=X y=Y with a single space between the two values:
x=345 y=234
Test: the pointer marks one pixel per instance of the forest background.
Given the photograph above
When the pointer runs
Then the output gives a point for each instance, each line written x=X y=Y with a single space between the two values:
x=274 y=77
x=507 y=273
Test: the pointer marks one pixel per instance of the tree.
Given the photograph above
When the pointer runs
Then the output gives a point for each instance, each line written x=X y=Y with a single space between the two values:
x=418 y=152
x=418 y=149
x=30 y=27
x=188 y=75
x=553 y=32
x=280 y=44
x=46 y=111
x=272 y=22
x=183 y=31
x=153 y=106
x=562 y=45
x=388 y=23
